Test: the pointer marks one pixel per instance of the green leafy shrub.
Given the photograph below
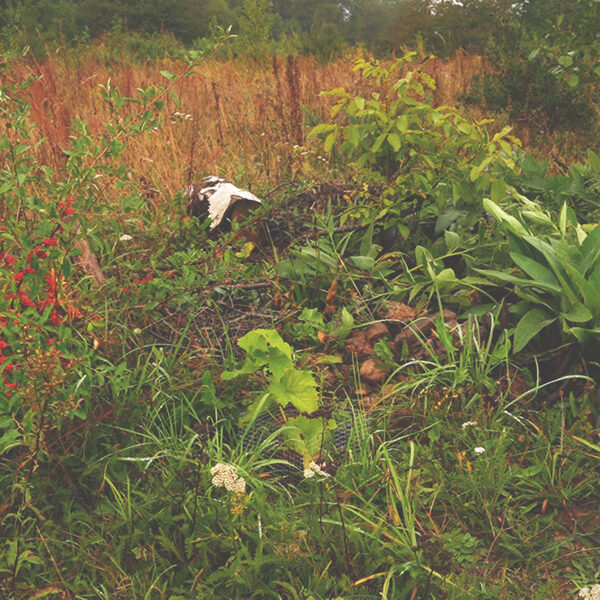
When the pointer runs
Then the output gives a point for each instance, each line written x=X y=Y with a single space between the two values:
x=287 y=385
x=434 y=162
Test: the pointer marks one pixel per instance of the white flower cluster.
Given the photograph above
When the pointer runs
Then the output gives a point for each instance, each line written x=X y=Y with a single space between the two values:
x=479 y=450
x=227 y=476
x=313 y=469
x=469 y=424
x=592 y=593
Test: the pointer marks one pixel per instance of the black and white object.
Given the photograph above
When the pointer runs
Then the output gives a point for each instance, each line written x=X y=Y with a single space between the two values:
x=217 y=199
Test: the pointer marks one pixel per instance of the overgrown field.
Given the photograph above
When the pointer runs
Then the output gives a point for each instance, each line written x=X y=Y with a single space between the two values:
x=381 y=384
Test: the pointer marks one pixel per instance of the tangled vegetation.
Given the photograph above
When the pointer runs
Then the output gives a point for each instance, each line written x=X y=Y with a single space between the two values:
x=382 y=384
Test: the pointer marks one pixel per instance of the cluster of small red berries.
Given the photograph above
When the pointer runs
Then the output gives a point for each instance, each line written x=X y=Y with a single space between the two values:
x=19 y=299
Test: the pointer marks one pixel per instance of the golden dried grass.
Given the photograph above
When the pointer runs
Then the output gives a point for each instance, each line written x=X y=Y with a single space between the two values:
x=244 y=122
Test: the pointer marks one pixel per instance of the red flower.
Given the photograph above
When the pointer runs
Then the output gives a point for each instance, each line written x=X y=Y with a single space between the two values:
x=51 y=241
x=26 y=300
x=40 y=253
x=10 y=260
x=18 y=276
x=55 y=318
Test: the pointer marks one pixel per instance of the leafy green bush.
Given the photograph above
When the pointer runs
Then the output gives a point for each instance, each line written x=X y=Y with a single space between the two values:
x=434 y=162
x=287 y=385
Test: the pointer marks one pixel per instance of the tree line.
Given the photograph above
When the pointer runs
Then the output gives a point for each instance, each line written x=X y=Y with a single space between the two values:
x=545 y=53
x=321 y=27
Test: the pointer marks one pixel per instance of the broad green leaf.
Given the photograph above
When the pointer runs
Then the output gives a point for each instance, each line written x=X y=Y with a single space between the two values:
x=593 y=160
x=565 y=61
x=378 y=142
x=505 y=131
x=170 y=76
x=590 y=247
x=261 y=338
x=402 y=123
x=394 y=141
x=507 y=278
x=578 y=313
x=535 y=270
x=584 y=335
x=557 y=264
x=322 y=128
x=312 y=315
x=264 y=347
x=330 y=141
x=343 y=331
x=363 y=262
x=445 y=275
x=320 y=255
x=537 y=216
x=354 y=135
x=529 y=326
x=508 y=220
x=573 y=80
x=296 y=387
x=498 y=191
x=452 y=240
x=587 y=289
x=305 y=435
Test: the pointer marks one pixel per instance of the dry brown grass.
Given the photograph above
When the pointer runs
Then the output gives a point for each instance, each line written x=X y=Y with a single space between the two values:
x=245 y=119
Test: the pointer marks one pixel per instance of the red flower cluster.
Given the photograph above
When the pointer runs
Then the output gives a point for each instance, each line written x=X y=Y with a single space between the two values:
x=19 y=298
x=65 y=209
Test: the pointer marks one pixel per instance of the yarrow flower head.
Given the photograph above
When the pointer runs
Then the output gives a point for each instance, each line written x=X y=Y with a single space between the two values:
x=469 y=424
x=315 y=468
x=592 y=593
x=227 y=476
x=480 y=450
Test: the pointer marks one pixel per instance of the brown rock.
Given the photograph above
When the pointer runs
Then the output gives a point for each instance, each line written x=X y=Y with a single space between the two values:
x=398 y=311
x=371 y=373
x=423 y=325
x=375 y=332
x=359 y=345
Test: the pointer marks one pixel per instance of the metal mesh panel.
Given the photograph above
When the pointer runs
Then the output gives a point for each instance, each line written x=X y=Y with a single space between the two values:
x=266 y=424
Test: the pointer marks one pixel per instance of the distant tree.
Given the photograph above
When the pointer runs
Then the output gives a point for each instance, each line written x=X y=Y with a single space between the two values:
x=368 y=20
x=446 y=26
